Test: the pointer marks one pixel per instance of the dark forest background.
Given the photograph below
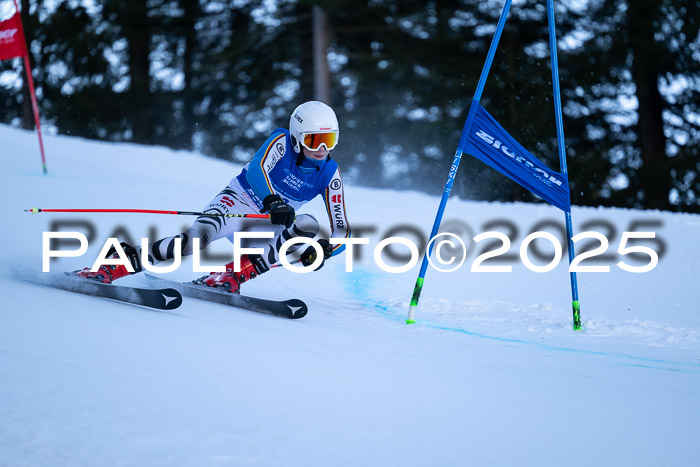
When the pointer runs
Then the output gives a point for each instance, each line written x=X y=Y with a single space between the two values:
x=218 y=76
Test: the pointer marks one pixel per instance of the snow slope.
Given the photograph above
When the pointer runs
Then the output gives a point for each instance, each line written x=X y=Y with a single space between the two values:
x=492 y=374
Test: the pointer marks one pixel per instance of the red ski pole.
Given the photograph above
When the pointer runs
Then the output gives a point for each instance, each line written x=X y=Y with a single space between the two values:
x=152 y=211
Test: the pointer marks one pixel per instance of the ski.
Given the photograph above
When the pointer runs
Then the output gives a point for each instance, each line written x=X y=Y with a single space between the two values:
x=292 y=309
x=161 y=299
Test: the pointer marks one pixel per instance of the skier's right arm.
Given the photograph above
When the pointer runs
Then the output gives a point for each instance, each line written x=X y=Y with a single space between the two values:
x=258 y=177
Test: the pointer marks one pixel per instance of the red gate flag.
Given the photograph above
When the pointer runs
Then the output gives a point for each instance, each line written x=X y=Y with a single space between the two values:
x=12 y=42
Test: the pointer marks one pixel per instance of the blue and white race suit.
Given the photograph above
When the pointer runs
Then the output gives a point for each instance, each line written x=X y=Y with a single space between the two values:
x=275 y=169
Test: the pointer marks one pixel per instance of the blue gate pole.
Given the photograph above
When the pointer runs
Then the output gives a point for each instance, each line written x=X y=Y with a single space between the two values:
x=455 y=162
x=562 y=156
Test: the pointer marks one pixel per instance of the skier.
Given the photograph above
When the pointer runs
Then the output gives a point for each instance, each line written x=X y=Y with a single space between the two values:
x=291 y=168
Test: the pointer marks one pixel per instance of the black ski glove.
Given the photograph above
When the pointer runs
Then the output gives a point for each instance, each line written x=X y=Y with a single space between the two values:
x=309 y=255
x=280 y=212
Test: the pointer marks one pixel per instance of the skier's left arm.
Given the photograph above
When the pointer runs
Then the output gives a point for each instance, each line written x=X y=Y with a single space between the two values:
x=334 y=198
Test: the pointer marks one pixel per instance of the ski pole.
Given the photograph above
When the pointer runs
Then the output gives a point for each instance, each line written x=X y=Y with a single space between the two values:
x=152 y=211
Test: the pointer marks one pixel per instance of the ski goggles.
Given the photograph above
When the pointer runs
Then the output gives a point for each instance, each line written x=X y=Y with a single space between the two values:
x=314 y=141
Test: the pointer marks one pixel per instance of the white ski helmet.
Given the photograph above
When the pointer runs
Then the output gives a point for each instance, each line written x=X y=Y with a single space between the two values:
x=313 y=124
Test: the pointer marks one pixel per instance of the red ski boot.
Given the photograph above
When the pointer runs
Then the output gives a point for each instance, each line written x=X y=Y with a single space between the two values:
x=251 y=267
x=110 y=272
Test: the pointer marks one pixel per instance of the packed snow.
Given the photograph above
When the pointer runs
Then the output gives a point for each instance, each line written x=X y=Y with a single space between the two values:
x=492 y=373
